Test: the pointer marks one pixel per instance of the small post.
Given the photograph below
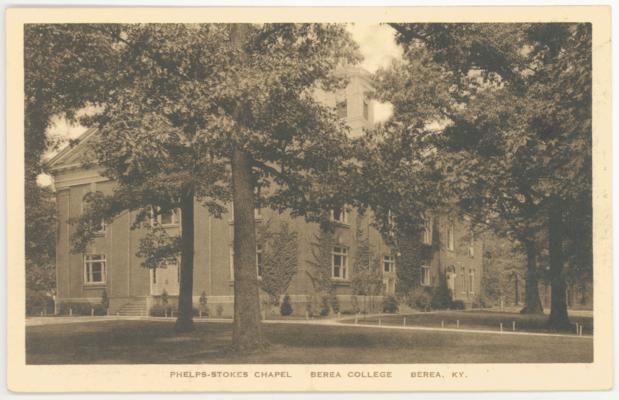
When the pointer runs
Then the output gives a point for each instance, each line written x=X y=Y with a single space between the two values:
x=356 y=318
x=580 y=330
x=70 y=311
x=306 y=315
x=442 y=323
x=577 y=328
x=117 y=313
x=92 y=312
x=200 y=312
x=458 y=323
x=41 y=313
x=514 y=326
x=165 y=313
x=380 y=323
x=501 y=327
x=404 y=321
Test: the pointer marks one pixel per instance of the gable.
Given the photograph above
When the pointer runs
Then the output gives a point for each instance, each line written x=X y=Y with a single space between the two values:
x=72 y=155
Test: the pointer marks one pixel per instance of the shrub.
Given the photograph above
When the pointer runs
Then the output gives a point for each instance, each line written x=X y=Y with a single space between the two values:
x=334 y=303
x=421 y=299
x=203 y=299
x=324 y=306
x=37 y=302
x=105 y=301
x=286 y=308
x=309 y=308
x=390 y=305
x=441 y=298
x=81 y=308
x=478 y=302
x=219 y=310
x=354 y=303
x=457 y=305
x=160 y=310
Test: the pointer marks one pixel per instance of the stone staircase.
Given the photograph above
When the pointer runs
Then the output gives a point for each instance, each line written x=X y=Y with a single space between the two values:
x=134 y=308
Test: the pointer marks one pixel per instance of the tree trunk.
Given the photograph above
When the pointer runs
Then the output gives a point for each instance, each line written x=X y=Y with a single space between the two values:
x=532 y=302
x=247 y=331
x=558 y=305
x=184 y=321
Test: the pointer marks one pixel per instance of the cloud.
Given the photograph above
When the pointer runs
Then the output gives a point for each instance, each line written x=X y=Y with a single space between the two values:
x=376 y=43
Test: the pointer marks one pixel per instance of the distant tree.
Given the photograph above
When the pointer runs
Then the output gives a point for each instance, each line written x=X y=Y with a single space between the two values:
x=503 y=113
x=320 y=263
x=40 y=239
x=286 y=308
x=279 y=251
x=367 y=278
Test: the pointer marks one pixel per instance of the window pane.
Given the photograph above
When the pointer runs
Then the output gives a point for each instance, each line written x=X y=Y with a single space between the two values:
x=167 y=218
x=97 y=271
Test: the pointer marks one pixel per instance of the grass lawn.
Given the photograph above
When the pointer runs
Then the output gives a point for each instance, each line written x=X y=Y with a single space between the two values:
x=486 y=320
x=154 y=342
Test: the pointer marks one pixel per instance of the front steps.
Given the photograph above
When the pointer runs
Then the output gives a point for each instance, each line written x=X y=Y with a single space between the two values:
x=135 y=308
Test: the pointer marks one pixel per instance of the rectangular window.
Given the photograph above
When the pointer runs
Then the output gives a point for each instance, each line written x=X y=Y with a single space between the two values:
x=451 y=240
x=463 y=279
x=339 y=215
x=154 y=276
x=339 y=262
x=427 y=230
x=342 y=108
x=366 y=110
x=165 y=218
x=170 y=217
x=389 y=263
x=259 y=262
x=425 y=275
x=94 y=268
x=472 y=245
x=471 y=280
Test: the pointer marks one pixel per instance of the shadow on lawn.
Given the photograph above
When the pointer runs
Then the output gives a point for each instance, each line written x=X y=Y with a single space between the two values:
x=155 y=342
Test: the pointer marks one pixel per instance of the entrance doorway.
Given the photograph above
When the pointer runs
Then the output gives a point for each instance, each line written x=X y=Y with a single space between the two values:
x=165 y=278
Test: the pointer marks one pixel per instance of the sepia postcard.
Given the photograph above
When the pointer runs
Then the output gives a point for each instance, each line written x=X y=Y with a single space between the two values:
x=309 y=199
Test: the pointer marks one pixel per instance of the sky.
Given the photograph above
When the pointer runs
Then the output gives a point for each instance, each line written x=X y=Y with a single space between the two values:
x=376 y=44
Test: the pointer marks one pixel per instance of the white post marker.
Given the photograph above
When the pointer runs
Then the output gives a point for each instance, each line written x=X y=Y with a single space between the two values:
x=70 y=312
x=92 y=312
x=577 y=328
x=404 y=321
x=356 y=318
x=458 y=323
x=501 y=326
x=380 y=322
x=514 y=326
x=442 y=323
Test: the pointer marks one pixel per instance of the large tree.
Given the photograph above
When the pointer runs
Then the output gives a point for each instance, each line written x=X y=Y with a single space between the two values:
x=57 y=59
x=506 y=112
x=192 y=107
